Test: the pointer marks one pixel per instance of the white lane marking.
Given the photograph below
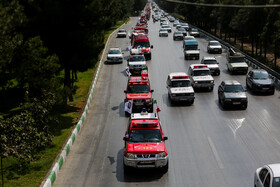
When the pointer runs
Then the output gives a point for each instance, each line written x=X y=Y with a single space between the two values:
x=215 y=153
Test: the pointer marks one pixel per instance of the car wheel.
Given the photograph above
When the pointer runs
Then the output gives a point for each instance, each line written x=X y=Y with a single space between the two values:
x=244 y=107
x=186 y=58
x=191 y=102
x=218 y=73
x=126 y=169
x=211 y=89
x=272 y=92
x=219 y=99
x=247 y=85
x=165 y=168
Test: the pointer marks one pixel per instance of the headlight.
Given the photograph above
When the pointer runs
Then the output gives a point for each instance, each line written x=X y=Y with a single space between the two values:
x=244 y=99
x=211 y=81
x=195 y=82
x=227 y=99
x=162 y=155
x=148 y=100
x=130 y=155
x=192 y=94
x=173 y=95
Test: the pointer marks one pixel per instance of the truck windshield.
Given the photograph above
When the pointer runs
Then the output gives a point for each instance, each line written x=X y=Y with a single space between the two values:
x=191 y=47
x=142 y=44
x=276 y=182
x=138 y=88
x=185 y=83
x=144 y=135
x=234 y=88
x=201 y=72
x=234 y=60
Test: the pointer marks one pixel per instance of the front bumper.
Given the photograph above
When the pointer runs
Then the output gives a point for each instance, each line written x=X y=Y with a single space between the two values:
x=203 y=85
x=240 y=70
x=182 y=98
x=263 y=88
x=121 y=35
x=235 y=102
x=215 y=50
x=146 y=162
x=178 y=37
x=114 y=60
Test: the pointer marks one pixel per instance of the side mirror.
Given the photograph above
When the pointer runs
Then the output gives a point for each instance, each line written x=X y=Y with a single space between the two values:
x=125 y=138
x=152 y=91
x=152 y=46
x=165 y=138
x=125 y=91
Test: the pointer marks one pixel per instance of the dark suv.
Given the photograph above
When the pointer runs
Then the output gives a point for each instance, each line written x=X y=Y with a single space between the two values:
x=258 y=80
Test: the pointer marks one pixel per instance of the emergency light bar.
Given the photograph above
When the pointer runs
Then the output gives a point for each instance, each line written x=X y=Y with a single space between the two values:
x=144 y=124
x=202 y=66
x=180 y=77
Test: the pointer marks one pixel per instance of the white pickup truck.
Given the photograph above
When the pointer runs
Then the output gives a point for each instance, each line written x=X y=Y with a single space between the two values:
x=236 y=62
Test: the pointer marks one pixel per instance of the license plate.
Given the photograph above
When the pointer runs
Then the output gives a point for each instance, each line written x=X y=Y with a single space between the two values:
x=146 y=162
x=139 y=104
x=265 y=88
x=236 y=103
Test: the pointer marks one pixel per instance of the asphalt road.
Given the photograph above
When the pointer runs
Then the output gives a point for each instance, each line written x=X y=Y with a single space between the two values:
x=208 y=146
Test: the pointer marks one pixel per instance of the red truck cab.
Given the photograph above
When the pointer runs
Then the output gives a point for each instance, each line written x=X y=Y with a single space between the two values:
x=145 y=143
x=139 y=92
x=143 y=43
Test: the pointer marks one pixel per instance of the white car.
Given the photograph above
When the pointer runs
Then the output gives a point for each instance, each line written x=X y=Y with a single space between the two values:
x=214 y=47
x=194 y=32
x=115 y=55
x=212 y=64
x=200 y=76
x=267 y=176
x=163 y=32
x=167 y=27
x=179 y=87
x=121 y=33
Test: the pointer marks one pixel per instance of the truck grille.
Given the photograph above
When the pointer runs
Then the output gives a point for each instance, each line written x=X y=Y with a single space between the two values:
x=146 y=156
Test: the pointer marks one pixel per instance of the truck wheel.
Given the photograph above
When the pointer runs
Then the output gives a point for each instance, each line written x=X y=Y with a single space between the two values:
x=165 y=168
x=211 y=89
x=191 y=102
x=126 y=169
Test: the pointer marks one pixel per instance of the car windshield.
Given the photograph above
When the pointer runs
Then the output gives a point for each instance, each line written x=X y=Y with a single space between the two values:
x=194 y=30
x=144 y=135
x=114 y=51
x=191 y=47
x=201 y=72
x=261 y=75
x=121 y=30
x=184 y=24
x=209 y=62
x=165 y=26
x=138 y=88
x=189 y=38
x=178 y=33
x=181 y=29
x=215 y=43
x=137 y=58
x=233 y=88
x=276 y=182
x=142 y=44
x=185 y=83
x=240 y=59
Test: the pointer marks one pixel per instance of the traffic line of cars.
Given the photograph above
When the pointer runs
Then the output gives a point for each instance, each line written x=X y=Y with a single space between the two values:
x=144 y=140
x=230 y=92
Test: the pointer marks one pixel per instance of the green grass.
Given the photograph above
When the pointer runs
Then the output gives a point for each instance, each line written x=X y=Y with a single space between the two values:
x=17 y=174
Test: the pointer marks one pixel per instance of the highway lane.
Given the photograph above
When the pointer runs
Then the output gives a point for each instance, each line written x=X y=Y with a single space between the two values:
x=208 y=146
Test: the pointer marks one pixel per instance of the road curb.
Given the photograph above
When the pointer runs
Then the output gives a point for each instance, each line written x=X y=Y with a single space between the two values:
x=48 y=182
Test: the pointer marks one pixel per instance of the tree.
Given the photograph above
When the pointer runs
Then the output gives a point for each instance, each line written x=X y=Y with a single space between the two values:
x=23 y=135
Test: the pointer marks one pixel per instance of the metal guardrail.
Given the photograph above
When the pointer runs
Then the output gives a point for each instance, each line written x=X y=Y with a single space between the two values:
x=249 y=60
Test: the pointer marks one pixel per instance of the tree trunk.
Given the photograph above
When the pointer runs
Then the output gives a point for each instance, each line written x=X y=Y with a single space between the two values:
x=257 y=44
x=242 y=41
x=252 y=40
x=67 y=83
x=265 y=46
x=2 y=172
x=261 y=47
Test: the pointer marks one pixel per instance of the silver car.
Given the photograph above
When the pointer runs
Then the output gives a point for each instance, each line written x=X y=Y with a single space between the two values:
x=267 y=176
